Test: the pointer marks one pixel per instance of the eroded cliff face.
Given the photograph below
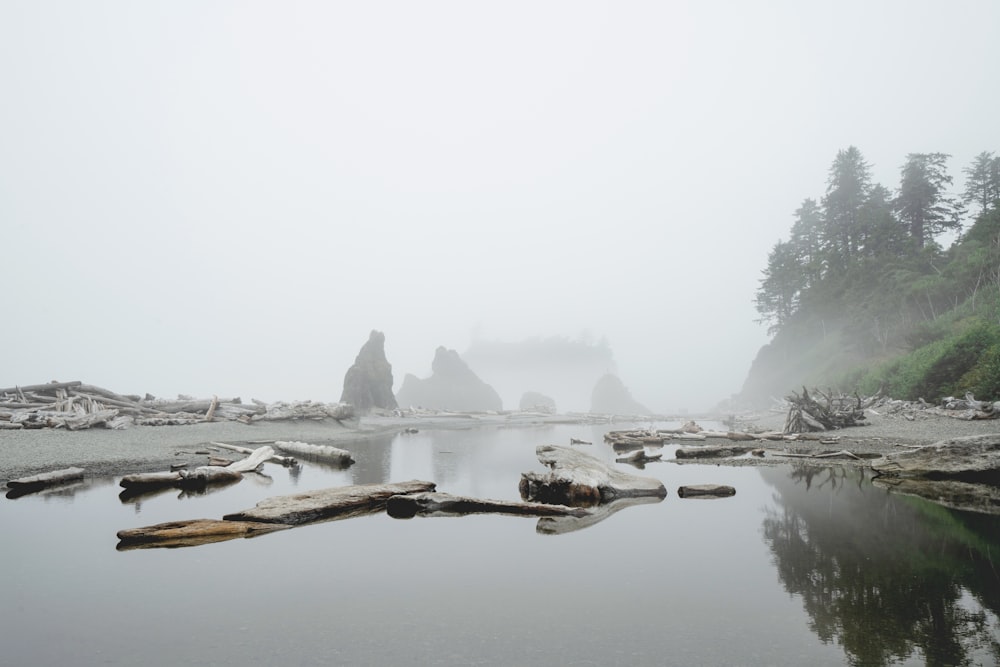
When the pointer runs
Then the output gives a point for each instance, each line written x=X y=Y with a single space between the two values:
x=451 y=386
x=368 y=383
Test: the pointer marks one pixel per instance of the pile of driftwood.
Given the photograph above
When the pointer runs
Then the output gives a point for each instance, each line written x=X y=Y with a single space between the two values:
x=821 y=411
x=75 y=405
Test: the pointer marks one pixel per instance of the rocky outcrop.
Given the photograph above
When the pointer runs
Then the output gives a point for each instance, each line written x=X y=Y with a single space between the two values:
x=611 y=397
x=536 y=402
x=368 y=383
x=451 y=386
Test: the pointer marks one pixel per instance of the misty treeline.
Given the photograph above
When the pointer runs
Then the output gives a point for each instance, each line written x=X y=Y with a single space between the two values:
x=863 y=277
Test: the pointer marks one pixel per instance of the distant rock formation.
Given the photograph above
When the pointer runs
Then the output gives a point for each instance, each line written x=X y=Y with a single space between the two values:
x=563 y=368
x=611 y=397
x=451 y=386
x=368 y=383
x=536 y=402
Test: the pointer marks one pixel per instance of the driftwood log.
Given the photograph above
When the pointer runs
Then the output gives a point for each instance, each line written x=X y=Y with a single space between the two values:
x=275 y=458
x=339 y=502
x=560 y=525
x=711 y=452
x=75 y=405
x=706 y=491
x=974 y=458
x=445 y=504
x=639 y=459
x=26 y=485
x=575 y=478
x=820 y=411
x=316 y=452
x=191 y=533
x=201 y=476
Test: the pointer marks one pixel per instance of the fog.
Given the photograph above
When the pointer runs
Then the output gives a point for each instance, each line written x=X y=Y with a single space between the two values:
x=227 y=197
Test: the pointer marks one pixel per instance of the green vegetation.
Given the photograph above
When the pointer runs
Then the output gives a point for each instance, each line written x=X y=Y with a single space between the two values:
x=863 y=296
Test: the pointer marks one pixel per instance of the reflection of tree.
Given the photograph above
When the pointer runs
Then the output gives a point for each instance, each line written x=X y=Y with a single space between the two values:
x=883 y=575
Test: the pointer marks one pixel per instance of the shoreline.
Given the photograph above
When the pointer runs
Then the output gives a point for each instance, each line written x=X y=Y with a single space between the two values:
x=140 y=449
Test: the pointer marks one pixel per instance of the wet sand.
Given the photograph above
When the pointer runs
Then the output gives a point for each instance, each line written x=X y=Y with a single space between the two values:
x=103 y=452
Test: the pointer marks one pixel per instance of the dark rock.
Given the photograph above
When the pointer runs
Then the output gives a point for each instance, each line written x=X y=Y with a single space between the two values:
x=536 y=402
x=368 y=383
x=611 y=397
x=451 y=386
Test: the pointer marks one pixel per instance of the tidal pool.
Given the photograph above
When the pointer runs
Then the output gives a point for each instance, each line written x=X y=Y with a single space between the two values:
x=802 y=566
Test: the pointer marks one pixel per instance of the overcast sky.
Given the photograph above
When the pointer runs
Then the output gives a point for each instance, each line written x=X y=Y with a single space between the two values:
x=226 y=197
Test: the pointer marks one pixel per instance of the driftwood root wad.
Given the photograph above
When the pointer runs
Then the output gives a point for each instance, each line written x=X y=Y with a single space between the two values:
x=575 y=479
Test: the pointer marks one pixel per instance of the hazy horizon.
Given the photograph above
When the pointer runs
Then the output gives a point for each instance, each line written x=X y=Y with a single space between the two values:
x=226 y=198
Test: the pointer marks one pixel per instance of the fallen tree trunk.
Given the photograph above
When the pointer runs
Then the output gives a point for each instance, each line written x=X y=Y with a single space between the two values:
x=445 y=504
x=974 y=458
x=806 y=413
x=321 y=452
x=40 y=481
x=275 y=458
x=192 y=533
x=711 y=452
x=560 y=525
x=575 y=478
x=200 y=476
x=639 y=459
x=327 y=503
x=706 y=491
x=51 y=386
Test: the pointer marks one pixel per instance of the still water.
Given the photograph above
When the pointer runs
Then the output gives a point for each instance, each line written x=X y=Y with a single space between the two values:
x=800 y=567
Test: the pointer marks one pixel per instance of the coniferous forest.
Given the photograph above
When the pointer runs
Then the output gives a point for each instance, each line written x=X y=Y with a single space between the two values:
x=886 y=288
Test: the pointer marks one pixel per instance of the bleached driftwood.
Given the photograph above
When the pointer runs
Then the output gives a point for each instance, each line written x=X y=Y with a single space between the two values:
x=324 y=504
x=974 y=458
x=560 y=525
x=445 y=504
x=200 y=476
x=639 y=458
x=275 y=458
x=706 y=491
x=711 y=452
x=35 y=482
x=321 y=452
x=824 y=412
x=306 y=410
x=575 y=478
x=191 y=533
x=75 y=405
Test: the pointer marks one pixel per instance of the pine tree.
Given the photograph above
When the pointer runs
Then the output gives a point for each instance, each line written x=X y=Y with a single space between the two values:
x=923 y=202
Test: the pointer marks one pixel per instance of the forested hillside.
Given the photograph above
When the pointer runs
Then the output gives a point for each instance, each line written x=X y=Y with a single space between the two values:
x=863 y=294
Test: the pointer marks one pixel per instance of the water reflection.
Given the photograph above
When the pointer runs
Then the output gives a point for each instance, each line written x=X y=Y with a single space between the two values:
x=886 y=577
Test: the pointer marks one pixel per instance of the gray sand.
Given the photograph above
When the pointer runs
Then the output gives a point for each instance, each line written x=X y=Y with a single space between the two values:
x=103 y=452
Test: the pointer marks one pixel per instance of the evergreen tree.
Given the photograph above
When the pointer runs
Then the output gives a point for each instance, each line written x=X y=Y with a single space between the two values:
x=807 y=241
x=923 y=203
x=847 y=189
x=982 y=184
x=780 y=288
x=885 y=237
